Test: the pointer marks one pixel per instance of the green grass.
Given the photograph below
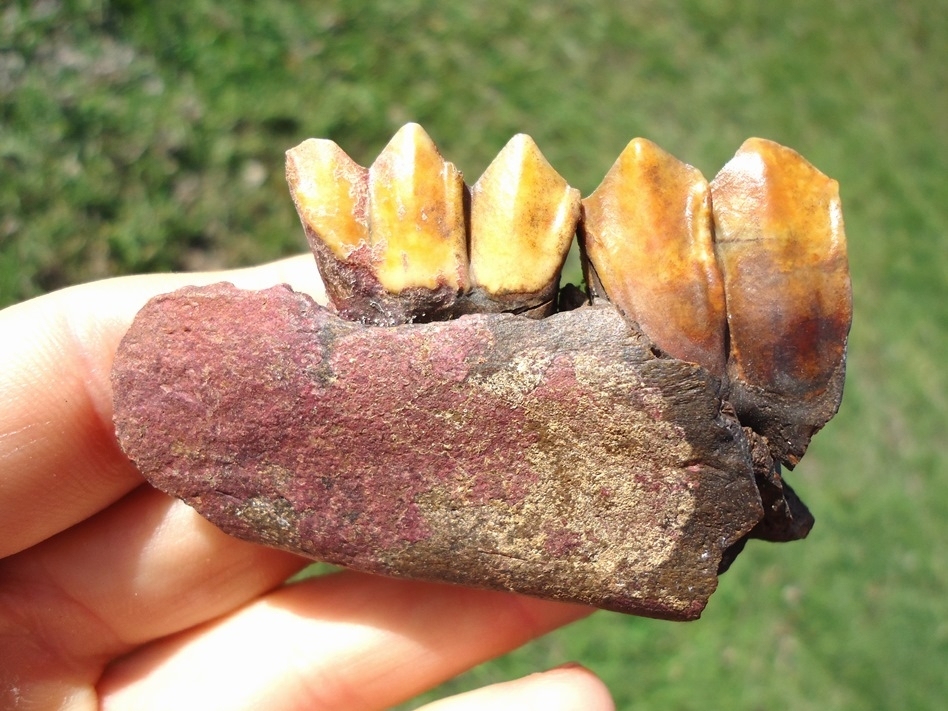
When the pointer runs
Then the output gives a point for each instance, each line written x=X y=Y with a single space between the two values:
x=140 y=136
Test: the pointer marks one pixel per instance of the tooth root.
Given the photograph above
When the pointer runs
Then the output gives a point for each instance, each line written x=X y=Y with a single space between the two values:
x=782 y=249
x=647 y=233
x=523 y=218
x=330 y=192
x=416 y=214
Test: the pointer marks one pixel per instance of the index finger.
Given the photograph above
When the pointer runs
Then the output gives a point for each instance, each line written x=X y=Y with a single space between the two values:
x=59 y=459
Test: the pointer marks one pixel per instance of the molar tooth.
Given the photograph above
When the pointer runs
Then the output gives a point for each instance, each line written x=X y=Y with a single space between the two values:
x=647 y=235
x=523 y=218
x=416 y=215
x=782 y=249
x=330 y=192
x=390 y=241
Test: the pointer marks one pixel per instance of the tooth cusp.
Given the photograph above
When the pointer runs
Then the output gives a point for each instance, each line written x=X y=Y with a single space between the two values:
x=416 y=215
x=523 y=219
x=647 y=235
x=330 y=192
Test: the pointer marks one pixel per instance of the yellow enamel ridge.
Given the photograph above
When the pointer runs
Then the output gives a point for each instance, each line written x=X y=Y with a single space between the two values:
x=416 y=215
x=330 y=193
x=523 y=218
x=647 y=232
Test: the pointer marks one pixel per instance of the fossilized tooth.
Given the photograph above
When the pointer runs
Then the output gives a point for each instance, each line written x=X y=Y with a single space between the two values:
x=416 y=215
x=782 y=249
x=523 y=219
x=330 y=192
x=647 y=236
x=390 y=241
x=556 y=457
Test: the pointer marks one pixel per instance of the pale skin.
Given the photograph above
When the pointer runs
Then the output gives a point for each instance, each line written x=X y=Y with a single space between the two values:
x=115 y=596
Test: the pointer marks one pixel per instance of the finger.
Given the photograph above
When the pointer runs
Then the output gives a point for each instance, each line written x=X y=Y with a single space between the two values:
x=145 y=567
x=343 y=641
x=569 y=688
x=59 y=460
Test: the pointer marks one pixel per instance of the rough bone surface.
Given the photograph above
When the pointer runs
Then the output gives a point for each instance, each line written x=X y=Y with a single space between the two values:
x=555 y=457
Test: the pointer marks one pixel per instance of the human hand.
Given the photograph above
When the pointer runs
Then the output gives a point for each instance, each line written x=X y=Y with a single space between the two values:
x=114 y=596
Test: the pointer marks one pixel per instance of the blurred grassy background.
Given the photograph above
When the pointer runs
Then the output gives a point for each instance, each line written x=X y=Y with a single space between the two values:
x=138 y=136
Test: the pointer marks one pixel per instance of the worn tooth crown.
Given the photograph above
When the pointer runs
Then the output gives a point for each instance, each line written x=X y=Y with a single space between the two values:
x=523 y=218
x=331 y=196
x=647 y=234
x=416 y=215
x=392 y=241
x=782 y=249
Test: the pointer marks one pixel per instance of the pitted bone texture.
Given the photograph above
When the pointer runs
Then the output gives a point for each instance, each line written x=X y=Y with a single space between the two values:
x=557 y=457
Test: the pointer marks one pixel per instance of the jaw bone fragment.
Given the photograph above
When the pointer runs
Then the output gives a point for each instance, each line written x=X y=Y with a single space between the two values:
x=591 y=456
x=556 y=457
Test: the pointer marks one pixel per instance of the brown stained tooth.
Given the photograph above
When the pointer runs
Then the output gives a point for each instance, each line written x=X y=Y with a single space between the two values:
x=646 y=232
x=523 y=218
x=782 y=249
x=390 y=241
x=330 y=192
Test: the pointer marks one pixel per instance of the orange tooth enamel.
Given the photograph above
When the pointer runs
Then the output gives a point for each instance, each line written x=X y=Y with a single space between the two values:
x=782 y=248
x=330 y=191
x=647 y=234
x=416 y=215
x=523 y=218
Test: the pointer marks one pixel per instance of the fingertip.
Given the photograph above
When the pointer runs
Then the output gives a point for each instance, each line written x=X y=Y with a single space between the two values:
x=570 y=687
x=583 y=689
